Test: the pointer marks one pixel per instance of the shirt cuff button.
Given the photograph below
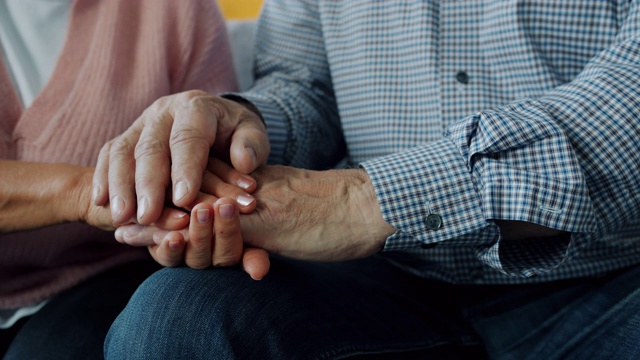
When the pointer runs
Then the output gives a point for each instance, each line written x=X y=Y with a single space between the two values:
x=433 y=221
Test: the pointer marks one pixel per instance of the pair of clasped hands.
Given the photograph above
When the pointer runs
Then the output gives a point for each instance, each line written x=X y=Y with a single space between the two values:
x=192 y=153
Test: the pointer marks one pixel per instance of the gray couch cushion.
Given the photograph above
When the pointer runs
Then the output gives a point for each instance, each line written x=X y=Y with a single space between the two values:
x=241 y=36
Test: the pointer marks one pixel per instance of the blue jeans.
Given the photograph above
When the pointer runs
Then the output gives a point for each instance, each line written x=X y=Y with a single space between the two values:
x=73 y=324
x=369 y=309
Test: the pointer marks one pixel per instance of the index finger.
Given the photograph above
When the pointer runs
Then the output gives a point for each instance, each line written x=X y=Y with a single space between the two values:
x=227 y=245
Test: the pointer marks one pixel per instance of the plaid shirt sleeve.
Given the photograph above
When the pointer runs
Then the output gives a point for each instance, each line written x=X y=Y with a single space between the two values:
x=566 y=159
x=293 y=82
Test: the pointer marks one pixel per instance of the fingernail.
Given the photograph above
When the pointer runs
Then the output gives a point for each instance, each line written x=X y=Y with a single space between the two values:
x=244 y=183
x=227 y=211
x=253 y=155
x=118 y=235
x=180 y=191
x=203 y=216
x=245 y=200
x=143 y=205
x=175 y=244
x=117 y=206
x=95 y=193
x=158 y=236
x=126 y=236
x=179 y=215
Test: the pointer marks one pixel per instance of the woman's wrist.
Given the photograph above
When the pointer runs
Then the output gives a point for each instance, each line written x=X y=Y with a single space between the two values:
x=37 y=194
x=79 y=206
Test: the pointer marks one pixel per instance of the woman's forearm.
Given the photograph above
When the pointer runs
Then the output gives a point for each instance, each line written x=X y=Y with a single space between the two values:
x=33 y=195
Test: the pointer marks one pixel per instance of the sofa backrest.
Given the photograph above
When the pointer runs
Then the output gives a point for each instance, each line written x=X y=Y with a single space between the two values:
x=242 y=37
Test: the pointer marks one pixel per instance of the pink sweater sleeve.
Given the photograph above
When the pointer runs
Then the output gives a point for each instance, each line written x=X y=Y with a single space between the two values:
x=119 y=57
x=205 y=52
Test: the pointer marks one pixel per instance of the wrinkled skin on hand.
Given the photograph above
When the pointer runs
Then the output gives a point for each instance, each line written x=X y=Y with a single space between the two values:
x=169 y=145
x=315 y=215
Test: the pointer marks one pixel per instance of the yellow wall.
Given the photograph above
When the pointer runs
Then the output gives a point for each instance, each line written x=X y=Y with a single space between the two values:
x=240 y=9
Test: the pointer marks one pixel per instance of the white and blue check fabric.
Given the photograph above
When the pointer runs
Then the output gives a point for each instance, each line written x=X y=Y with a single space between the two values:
x=476 y=111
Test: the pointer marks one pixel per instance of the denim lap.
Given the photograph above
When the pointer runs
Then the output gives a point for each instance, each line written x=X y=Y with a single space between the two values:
x=299 y=311
x=368 y=309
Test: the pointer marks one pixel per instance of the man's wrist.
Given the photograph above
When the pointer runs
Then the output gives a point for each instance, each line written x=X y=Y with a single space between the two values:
x=244 y=102
x=377 y=229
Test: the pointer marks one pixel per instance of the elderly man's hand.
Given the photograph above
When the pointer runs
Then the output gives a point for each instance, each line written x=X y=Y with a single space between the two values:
x=308 y=215
x=79 y=203
x=170 y=144
x=315 y=215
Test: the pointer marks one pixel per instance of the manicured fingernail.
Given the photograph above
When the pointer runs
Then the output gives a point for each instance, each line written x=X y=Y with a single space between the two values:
x=95 y=193
x=253 y=155
x=203 y=216
x=126 y=236
x=117 y=206
x=244 y=183
x=180 y=191
x=118 y=235
x=245 y=200
x=143 y=205
x=227 y=211
x=158 y=236
x=179 y=215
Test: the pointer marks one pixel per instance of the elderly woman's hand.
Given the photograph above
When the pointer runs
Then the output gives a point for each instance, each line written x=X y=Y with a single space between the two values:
x=213 y=238
x=34 y=195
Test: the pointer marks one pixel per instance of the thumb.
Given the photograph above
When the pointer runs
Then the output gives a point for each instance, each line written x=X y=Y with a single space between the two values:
x=256 y=262
x=249 y=146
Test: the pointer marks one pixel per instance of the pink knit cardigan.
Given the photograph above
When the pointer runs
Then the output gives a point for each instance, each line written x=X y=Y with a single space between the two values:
x=119 y=56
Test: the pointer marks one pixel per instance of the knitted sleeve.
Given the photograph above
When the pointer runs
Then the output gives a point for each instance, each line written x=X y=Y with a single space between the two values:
x=203 y=60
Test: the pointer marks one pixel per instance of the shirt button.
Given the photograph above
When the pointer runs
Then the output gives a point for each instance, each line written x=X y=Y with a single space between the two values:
x=462 y=77
x=433 y=221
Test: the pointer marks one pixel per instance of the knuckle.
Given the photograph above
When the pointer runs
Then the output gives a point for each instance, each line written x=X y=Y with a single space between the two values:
x=198 y=265
x=187 y=136
x=159 y=105
x=144 y=182
x=150 y=146
x=200 y=241
x=189 y=95
x=199 y=261
x=121 y=147
x=225 y=261
x=227 y=257
x=150 y=113
x=207 y=103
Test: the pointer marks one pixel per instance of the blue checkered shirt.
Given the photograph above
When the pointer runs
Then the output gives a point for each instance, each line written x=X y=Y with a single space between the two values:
x=473 y=111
